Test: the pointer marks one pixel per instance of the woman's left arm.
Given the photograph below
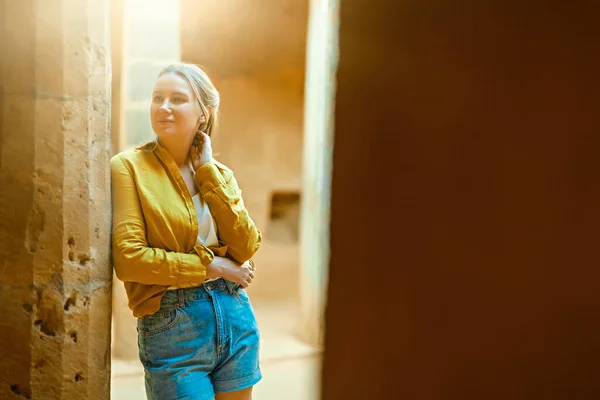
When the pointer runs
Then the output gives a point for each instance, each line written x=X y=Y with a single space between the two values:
x=220 y=191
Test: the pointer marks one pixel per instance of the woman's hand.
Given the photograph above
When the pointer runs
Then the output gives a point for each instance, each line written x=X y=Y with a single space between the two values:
x=242 y=274
x=201 y=150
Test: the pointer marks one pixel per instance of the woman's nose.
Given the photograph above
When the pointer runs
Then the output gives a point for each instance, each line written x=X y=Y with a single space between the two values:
x=165 y=106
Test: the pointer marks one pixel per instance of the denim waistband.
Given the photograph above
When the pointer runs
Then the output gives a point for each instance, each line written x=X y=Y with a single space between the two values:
x=199 y=292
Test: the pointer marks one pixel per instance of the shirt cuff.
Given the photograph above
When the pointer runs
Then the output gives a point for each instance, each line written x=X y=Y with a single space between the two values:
x=220 y=251
x=206 y=255
x=192 y=271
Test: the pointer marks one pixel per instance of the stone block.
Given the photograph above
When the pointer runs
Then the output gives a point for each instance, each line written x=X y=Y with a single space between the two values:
x=54 y=153
x=19 y=46
x=48 y=58
x=16 y=327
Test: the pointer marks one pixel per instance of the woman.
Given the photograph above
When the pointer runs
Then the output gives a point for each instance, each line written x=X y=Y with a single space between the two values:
x=182 y=244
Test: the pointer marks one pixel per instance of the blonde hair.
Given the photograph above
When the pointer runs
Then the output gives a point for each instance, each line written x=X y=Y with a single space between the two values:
x=204 y=90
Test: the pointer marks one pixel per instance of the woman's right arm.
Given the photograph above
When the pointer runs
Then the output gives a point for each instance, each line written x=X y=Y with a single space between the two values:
x=133 y=259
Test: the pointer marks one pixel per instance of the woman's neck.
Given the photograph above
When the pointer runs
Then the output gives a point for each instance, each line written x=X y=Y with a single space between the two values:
x=180 y=154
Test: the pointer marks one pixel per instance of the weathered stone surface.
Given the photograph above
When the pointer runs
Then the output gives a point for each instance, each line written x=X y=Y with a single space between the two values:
x=55 y=277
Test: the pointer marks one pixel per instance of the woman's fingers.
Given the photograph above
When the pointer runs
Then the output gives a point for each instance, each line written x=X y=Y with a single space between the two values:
x=245 y=275
x=200 y=138
x=247 y=280
x=203 y=136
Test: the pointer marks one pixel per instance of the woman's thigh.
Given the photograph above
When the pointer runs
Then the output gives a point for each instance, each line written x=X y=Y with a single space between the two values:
x=238 y=366
x=209 y=345
x=244 y=394
x=177 y=349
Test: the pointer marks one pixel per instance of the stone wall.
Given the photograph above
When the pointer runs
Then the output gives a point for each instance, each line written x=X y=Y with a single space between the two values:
x=255 y=54
x=55 y=277
x=150 y=42
x=322 y=57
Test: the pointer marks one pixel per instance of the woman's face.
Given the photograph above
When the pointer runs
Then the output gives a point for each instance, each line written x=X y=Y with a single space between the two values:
x=175 y=113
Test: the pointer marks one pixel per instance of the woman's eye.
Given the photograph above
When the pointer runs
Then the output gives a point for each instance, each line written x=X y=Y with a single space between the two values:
x=157 y=98
x=177 y=99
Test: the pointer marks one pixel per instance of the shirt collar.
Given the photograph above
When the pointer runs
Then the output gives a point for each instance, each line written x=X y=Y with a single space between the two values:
x=150 y=146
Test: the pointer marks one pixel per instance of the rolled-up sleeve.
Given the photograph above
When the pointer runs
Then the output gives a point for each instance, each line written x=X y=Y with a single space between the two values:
x=224 y=197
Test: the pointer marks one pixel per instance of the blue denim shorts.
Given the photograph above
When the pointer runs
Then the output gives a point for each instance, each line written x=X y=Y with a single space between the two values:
x=202 y=340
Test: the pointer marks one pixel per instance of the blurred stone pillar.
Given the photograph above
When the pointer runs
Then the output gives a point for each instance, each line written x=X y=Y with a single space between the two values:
x=321 y=64
x=55 y=277
x=150 y=34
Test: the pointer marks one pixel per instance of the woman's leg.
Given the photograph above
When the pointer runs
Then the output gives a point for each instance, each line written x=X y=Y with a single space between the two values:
x=177 y=348
x=244 y=394
x=237 y=370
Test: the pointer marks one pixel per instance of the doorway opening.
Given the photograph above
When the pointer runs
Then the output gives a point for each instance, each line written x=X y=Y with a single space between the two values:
x=274 y=66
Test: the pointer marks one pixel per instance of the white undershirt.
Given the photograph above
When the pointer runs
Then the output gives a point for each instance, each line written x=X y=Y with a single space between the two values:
x=207 y=232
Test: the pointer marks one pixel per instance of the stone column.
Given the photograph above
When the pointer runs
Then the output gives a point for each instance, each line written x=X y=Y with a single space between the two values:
x=55 y=276
x=321 y=64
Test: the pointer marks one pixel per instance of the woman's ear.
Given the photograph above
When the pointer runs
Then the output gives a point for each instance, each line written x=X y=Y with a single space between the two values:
x=203 y=120
x=205 y=116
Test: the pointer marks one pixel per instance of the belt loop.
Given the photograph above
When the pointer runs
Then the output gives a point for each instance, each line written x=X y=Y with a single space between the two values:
x=230 y=286
x=181 y=298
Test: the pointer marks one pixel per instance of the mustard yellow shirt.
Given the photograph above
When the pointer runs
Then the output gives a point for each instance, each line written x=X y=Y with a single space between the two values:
x=155 y=226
